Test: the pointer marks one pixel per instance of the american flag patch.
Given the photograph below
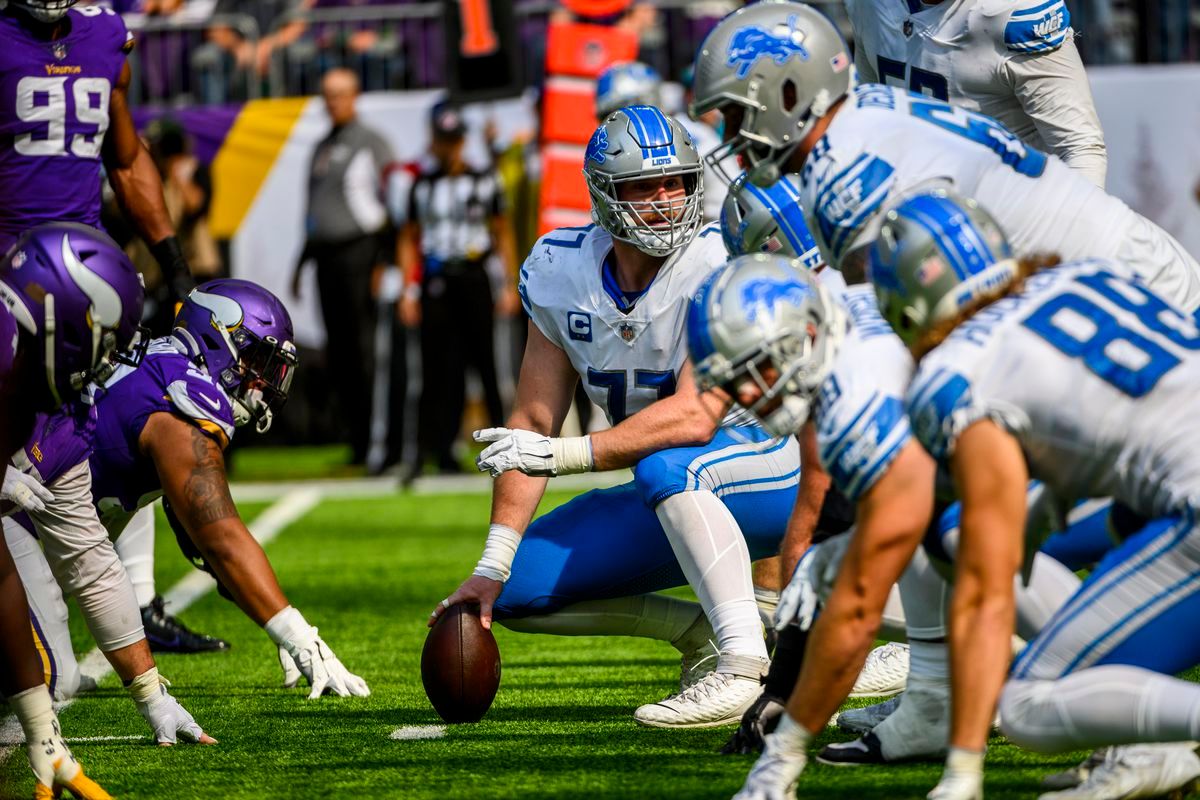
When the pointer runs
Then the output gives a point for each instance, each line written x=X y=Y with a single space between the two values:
x=930 y=271
x=839 y=62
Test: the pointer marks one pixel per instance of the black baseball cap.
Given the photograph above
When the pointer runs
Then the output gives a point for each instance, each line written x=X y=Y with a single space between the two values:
x=446 y=121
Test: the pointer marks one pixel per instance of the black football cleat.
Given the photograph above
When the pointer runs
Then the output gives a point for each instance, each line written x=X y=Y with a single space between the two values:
x=857 y=753
x=168 y=635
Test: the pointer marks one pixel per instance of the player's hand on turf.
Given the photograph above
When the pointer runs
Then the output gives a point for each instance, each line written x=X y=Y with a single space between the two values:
x=319 y=665
x=475 y=589
x=759 y=720
x=798 y=600
x=291 y=673
x=55 y=768
x=775 y=773
x=24 y=491
x=167 y=718
x=531 y=453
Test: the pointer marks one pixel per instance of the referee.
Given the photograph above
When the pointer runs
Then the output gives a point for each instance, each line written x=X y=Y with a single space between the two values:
x=455 y=222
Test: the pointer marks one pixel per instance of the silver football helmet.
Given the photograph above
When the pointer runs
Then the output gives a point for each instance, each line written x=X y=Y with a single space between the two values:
x=765 y=311
x=936 y=252
x=48 y=11
x=631 y=83
x=767 y=219
x=636 y=143
x=784 y=64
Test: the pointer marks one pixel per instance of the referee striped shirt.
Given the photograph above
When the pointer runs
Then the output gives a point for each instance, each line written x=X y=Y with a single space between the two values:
x=454 y=212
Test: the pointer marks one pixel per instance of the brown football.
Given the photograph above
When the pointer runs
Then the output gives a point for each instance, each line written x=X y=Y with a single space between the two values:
x=460 y=665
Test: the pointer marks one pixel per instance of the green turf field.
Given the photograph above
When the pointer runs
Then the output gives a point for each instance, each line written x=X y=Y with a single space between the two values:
x=367 y=573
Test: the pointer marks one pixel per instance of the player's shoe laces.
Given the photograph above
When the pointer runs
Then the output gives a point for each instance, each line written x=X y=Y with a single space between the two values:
x=698 y=652
x=168 y=635
x=861 y=720
x=885 y=672
x=1138 y=771
x=719 y=698
x=919 y=728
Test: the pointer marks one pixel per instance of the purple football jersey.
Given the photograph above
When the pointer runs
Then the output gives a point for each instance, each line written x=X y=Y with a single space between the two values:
x=8 y=344
x=61 y=440
x=54 y=100
x=123 y=479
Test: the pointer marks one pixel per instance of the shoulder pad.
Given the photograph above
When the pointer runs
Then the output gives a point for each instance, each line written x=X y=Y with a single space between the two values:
x=546 y=259
x=196 y=397
x=1037 y=26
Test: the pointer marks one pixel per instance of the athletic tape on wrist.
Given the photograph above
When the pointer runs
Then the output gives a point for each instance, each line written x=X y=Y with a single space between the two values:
x=498 y=553
x=572 y=455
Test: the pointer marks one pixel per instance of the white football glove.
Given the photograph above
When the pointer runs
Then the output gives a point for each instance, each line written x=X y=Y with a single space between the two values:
x=169 y=720
x=775 y=773
x=24 y=491
x=311 y=657
x=55 y=768
x=798 y=600
x=532 y=453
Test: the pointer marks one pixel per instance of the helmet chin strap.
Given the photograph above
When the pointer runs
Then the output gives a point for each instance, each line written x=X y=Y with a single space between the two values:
x=50 y=334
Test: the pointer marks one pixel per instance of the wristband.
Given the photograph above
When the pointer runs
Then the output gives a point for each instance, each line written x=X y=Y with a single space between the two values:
x=145 y=687
x=572 y=455
x=790 y=735
x=176 y=275
x=498 y=553
x=34 y=711
x=287 y=626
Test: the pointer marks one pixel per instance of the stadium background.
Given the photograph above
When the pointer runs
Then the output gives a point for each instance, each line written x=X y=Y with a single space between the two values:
x=528 y=68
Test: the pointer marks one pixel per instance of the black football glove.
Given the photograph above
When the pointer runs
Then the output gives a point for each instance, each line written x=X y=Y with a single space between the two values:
x=759 y=720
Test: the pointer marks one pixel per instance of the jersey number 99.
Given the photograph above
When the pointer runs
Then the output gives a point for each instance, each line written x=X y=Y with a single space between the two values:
x=44 y=100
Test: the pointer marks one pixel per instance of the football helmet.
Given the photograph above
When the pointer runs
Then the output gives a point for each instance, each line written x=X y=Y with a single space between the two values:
x=77 y=295
x=767 y=219
x=935 y=253
x=48 y=11
x=635 y=143
x=631 y=83
x=763 y=310
x=785 y=64
x=243 y=335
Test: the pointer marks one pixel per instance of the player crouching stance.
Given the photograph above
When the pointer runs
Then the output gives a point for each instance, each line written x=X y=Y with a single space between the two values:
x=1084 y=378
x=160 y=428
x=608 y=304
x=63 y=317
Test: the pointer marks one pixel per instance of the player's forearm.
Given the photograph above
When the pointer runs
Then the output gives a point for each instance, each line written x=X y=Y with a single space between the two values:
x=242 y=567
x=515 y=498
x=814 y=484
x=682 y=420
x=139 y=192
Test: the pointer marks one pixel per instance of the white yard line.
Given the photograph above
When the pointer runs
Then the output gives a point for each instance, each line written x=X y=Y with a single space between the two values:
x=413 y=732
x=265 y=527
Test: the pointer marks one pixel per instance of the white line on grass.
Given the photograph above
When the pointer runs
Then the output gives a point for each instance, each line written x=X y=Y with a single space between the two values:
x=265 y=527
x=413 y=732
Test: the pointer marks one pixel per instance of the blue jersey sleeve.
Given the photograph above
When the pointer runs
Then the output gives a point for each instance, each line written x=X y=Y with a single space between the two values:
x=941 y=405
x=1037 y=26
x=847 y=199
x=859 y=437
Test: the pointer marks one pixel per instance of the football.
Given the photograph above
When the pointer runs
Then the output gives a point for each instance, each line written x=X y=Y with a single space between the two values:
x=460 y=665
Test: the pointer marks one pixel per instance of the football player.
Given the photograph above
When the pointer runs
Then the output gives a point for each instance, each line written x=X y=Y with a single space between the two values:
x=632 y=83
x=160 y=428
x=65 y=121
x=607 y=303
x=84 y=560
x=62 y=319
x=1080 y=376
x=1014 y=62
x=780 y=75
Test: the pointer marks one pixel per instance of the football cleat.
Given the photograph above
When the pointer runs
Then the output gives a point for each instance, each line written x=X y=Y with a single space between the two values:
x=884 y=673
x=919 y=728
x=166 y=634
x=1070 y=778
x=1138 y=771
x=719 y=698
x=861 y=720
x=698 y=652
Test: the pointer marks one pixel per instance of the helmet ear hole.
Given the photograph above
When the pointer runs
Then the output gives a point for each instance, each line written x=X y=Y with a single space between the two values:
x=788 y=96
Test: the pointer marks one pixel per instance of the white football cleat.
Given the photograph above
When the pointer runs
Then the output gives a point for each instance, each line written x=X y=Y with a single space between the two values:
x=885 y=673
x=698 y=652
x=862 y=720
x=1138 y=771
x=719 y=698
x=1070 y=778
x=919 y=728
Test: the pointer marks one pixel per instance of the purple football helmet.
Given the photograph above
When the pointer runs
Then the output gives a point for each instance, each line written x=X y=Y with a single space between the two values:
x=243 y=335
x=77 y=295
x=47 y=11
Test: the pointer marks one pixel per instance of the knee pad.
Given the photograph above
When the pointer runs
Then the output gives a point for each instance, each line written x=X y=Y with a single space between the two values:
x=1025 y=707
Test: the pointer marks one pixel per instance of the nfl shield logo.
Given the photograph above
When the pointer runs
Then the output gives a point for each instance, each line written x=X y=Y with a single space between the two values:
x=626 y=331
x=58 y=50
x=18 y=260
x=908 y=28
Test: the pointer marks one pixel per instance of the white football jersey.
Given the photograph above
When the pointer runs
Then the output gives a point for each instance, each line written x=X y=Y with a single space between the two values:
x=1014 y=61
x=1092 y=372
x=859 y=413
x=625 y=360
x=884 y=142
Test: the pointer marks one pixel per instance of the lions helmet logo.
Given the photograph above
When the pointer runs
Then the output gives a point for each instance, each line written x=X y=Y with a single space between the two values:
x=762 y=296
x=597 y=146
x=751 y=43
